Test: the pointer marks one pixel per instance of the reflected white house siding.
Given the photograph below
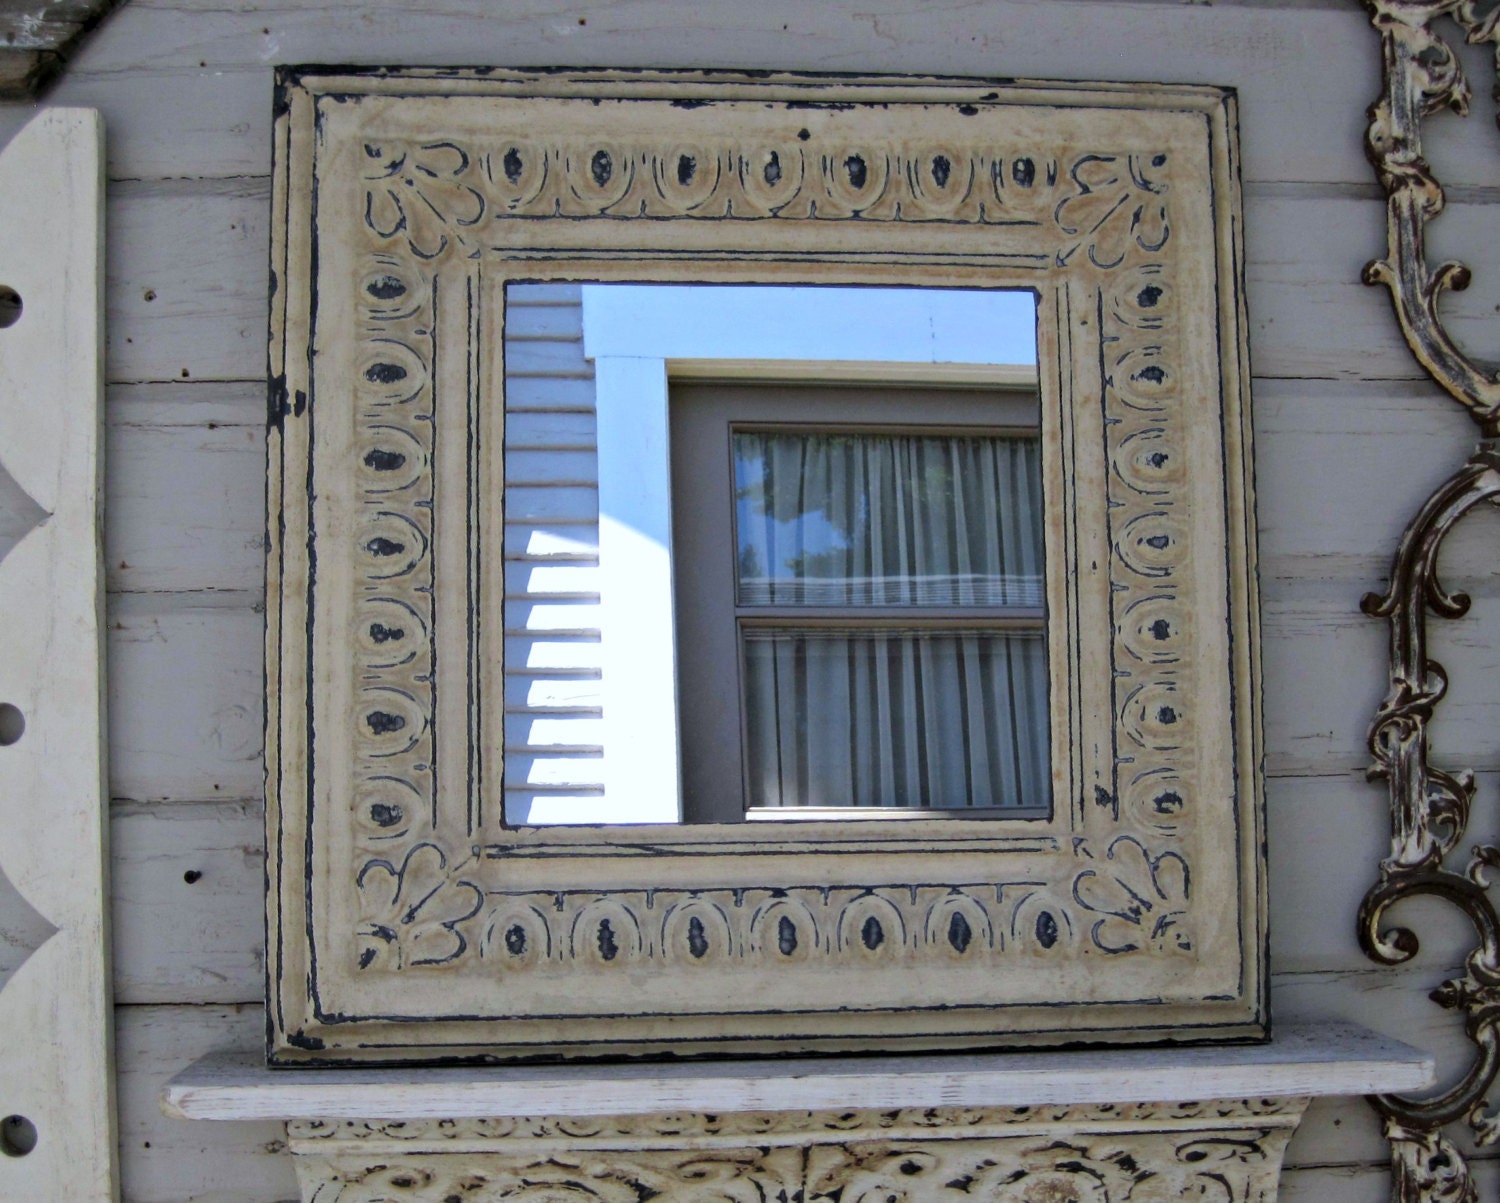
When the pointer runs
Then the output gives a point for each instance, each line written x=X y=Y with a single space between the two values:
x=591 y=725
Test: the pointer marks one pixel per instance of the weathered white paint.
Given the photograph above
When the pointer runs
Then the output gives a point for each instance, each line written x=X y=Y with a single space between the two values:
x=1325 y=1059
x=56 y=1071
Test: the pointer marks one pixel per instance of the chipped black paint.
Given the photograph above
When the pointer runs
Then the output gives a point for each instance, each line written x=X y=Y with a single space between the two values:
x=1155 y=374
x=385 y=373
x=386 y=288
x=382 y=722
x=512 y=165
x=857 y=171
x=515 y=940
x=380 y=633
x=772 y=170
x=1168 y=802
x=687 y=167
x=1148 y=297
x=872 y=935
x=277 y=406
x=942 y=170
x=1046 y=929
x=281 y=94
x=386 y=814
x=1023 y=171
x=786 y=936
x=959 y=933
x=608 y=948
x=1159 y=542
x=384 y=461
x=381 y=546
x=1161 y=629
x=1104 y=799
x=1166 y=716
x=601 y=167
x=697 y=940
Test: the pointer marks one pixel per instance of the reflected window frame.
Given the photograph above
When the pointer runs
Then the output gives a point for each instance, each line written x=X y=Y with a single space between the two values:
x=714 y=623
x=640 y=338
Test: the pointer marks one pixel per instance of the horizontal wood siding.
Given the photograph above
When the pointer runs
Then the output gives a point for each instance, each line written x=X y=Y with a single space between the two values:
x=1348 y=441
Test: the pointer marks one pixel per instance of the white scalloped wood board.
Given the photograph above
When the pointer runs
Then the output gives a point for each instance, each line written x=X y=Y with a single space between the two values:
x=56 y=1076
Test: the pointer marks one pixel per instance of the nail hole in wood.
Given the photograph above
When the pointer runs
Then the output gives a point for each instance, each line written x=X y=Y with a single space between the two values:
x=12 y=724
x=17 y=1136
x=10 y=306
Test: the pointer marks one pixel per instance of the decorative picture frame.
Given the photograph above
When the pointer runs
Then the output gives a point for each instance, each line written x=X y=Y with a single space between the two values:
x=406 y=921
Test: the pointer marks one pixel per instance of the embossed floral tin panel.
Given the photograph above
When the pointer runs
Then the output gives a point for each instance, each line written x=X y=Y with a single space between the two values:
x=408 y=920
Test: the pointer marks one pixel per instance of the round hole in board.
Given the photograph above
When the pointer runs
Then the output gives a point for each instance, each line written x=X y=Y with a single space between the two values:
x=17 y=1136
x=12 y=724
x=10 y=306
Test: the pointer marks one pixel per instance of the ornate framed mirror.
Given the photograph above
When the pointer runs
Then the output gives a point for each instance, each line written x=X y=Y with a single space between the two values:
x=1044 y=822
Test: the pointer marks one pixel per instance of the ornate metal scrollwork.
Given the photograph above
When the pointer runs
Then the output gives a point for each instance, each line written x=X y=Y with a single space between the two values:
x=1430 y=807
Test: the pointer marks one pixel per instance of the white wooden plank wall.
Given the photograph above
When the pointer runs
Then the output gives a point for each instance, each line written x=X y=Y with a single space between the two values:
x=1348 y=439
x=552 y=666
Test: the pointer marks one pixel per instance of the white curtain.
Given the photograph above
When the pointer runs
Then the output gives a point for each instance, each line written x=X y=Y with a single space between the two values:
x=877 y=713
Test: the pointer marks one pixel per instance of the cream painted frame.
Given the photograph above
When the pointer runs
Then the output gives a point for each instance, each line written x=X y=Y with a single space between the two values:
x=406 y=923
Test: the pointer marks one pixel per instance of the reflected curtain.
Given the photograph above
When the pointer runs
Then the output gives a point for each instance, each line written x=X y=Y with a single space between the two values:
x=938 y=711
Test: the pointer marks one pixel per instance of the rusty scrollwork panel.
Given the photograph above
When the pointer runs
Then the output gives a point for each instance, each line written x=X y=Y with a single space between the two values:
x=1423 y=77
x=1430 y=807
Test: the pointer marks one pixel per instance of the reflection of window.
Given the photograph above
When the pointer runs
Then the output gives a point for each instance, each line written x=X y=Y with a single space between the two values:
x=860 y=607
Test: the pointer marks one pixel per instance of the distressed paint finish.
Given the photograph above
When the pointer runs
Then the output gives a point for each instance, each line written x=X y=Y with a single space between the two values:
x=411 y=922
x=38 y=37
x=57 y=1123
x=1228 y=1149
x=1430 y=806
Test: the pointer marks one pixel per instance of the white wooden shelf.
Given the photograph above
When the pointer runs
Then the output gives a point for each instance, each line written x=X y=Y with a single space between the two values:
x=1301 y=1060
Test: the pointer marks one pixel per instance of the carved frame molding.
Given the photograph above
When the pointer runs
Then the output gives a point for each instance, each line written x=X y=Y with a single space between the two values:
x=1227 y=1148
x=406 y=921
x=1430 y=806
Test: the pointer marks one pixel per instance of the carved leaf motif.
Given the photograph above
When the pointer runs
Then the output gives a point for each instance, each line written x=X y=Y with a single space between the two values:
x=755 y=1125
x=426 y=193
x=1143 y=899
x=413 y=914
x=1118 y=205
x=666 y=1176
x=1232 y=1165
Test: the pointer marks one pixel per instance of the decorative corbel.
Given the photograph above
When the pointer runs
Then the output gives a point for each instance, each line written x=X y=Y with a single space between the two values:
x=1429 y=806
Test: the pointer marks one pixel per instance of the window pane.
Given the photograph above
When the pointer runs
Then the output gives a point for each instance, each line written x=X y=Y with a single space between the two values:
x=942 y=718
x=887 y=519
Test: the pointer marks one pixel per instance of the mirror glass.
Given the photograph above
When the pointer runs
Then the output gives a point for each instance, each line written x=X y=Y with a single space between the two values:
x=773 y=553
